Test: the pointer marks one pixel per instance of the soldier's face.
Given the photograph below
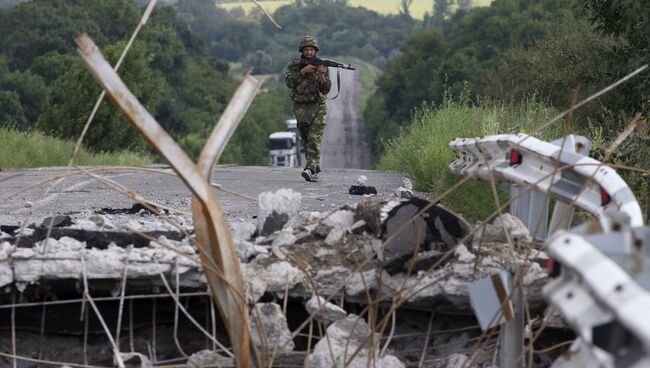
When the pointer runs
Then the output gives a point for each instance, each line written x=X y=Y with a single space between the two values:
x=308 y=52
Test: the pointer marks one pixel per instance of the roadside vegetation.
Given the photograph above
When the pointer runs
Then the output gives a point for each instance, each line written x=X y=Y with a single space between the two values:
x=516 y=64
x=422 y=149
x=178 y=66
x=34 y=149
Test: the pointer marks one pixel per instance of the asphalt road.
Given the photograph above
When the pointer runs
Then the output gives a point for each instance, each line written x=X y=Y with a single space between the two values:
x=29 y=194
x=344 y=142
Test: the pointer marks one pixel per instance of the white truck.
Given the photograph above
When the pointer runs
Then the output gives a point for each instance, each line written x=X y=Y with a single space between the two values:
x=284 y=147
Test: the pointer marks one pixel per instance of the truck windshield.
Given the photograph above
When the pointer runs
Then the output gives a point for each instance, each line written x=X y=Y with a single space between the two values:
x=279 y=144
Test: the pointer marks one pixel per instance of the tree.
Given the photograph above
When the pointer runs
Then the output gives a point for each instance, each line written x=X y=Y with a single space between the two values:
x=404 y=8
x=569 y=59
x=630 y=20
x=74 y=94
x=403 y=86
x=440 y=12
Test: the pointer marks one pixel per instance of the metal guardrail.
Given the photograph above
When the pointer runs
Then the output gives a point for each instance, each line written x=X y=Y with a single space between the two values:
x=602 y=288
x=602 y=302
x=567 y=176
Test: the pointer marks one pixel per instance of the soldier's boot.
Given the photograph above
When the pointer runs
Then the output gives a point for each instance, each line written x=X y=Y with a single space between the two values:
x=307 y=174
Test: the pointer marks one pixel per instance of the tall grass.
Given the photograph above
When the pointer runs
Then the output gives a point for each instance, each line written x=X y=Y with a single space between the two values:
x=423 y=150
x=33 y=149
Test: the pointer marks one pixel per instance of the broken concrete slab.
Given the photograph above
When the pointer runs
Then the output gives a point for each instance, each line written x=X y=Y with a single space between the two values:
x=269 y=329
x=246 y=251
x=6 y=270
x=68 y=258
x=262 y=276
x=402 y=192
x=276 y=208
x=324 y=310
x=342 y=340
x=405 y=190
x=456 y=360
x=100 y=239
x=134 y=360
x=415 y=226
x=498 y=230
x=242 y=231
x=283 y=239
x=448 y=284
x=335 y=236
x=56 y=221
x=208 y=358
x=358 y=227
x=407 y=183
x=343 y=219
x=374 y=211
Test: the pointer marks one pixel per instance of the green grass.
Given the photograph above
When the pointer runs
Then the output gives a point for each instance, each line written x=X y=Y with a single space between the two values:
x=385 y=7
x=24 y=150
x=423 y=150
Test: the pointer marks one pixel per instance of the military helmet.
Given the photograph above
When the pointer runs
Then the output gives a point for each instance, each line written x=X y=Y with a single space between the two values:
x=308 y=41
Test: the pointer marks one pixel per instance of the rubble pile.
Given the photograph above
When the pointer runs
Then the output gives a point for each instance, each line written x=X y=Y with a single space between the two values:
x=385 y=250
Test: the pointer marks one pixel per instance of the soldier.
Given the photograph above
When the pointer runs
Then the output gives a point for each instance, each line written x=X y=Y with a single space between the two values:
x=309 y=88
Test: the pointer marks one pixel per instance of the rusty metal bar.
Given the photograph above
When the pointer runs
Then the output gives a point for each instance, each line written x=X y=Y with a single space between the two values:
x=216 y=249
x=216 y=143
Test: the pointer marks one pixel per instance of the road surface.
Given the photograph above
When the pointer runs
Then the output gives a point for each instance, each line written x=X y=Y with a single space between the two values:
x=344 y=141
x=26 y=194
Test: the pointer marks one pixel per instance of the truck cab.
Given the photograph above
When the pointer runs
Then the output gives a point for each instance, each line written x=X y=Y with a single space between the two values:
x=283 y=149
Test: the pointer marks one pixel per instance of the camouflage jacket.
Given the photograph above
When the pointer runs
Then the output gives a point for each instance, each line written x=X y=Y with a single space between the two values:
x=305 y=88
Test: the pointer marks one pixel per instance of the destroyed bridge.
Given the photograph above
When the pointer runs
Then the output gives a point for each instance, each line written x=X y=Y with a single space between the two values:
x=125 y=267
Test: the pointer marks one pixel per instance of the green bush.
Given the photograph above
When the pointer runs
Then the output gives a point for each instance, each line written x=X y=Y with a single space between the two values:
x=423 y=152
x=22 y=150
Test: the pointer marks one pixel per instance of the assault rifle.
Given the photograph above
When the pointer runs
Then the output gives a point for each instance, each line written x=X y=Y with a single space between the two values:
x=328 y=63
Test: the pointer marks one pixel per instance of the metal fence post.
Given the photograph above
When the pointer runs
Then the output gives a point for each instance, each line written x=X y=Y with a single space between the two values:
x=512 y=332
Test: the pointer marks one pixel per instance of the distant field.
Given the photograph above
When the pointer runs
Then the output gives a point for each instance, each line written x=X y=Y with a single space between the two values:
x=418 y=7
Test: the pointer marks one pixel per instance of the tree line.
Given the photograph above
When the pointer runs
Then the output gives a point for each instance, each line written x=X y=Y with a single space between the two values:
x=45 y=87
x=178 y=66
x=557 y=51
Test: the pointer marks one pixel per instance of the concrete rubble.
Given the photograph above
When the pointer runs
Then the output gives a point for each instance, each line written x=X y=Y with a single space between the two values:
x=323 y=310
x=269 y=330
x=349 y=342
x=350 y=252
x=405 y=190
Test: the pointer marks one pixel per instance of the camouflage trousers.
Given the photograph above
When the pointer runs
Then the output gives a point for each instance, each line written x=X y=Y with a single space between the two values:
x=311 y=122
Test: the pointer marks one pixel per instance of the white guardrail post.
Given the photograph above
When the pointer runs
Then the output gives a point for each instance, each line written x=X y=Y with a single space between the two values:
x=531 y=206
x=602 y=293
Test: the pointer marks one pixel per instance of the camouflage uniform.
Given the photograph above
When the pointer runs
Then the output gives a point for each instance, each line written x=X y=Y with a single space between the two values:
x=309 y=107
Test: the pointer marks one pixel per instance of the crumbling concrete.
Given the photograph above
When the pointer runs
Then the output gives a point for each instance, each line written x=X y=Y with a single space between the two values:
x=405 y=190
x=349 y=342
x=345 y=253
x=208 y=358
x=275 y=209
x=324 y=310
x=269 y=330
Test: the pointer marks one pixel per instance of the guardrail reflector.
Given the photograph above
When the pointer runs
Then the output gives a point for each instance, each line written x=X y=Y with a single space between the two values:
x=515 y=157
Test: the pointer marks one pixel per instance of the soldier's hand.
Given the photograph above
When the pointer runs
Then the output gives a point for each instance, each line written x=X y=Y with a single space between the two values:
x=307 y=69
x=322 y=69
